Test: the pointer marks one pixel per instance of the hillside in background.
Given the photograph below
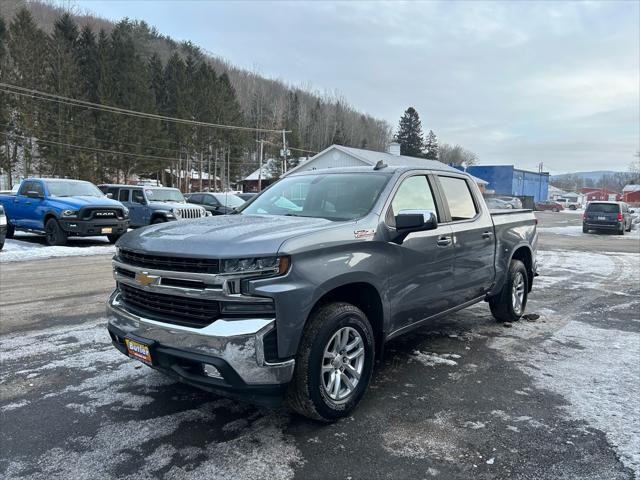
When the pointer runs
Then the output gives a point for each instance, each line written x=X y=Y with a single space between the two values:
x=130 y=64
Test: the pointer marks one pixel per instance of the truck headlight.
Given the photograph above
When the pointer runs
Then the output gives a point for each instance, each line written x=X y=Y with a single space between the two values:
x=125 y=212
x=177 y=212
x=261 y=265
x=70 y=213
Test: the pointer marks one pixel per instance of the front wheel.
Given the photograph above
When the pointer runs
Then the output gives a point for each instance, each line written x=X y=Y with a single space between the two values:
x=509 y=304
x=113 y=238
x=334 y=363
x=54 y=234
x=10 y=231
x=158 y=220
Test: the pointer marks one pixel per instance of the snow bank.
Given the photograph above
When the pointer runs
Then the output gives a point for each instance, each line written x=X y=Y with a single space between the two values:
x=576 y=231
x=19 y=249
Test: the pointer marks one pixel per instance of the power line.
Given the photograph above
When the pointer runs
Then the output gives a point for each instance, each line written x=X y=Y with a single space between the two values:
x=36 y=94
x=290 y=148
x=101 y=150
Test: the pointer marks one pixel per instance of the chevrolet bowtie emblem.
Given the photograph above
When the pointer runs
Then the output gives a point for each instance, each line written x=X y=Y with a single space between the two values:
x=144 y=279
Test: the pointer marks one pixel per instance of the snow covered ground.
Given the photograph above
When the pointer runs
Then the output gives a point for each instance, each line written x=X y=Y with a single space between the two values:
x=33 y=247
x=590 y=357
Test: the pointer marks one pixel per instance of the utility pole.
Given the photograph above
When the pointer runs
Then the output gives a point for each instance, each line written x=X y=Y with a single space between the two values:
x=540 y=167
x=284 y=150
x=260 y=169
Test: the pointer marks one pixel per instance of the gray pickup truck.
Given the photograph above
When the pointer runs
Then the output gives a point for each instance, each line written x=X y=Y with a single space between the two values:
x=295 y=295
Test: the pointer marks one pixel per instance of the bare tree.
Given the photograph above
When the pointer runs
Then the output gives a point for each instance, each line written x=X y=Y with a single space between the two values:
x=456 y=155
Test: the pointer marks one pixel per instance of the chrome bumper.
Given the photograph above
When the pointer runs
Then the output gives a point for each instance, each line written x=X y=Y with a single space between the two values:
x=238 y=342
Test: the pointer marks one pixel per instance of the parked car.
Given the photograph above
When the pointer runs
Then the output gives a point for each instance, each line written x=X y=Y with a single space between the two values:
x=549 y=205
x=568 y=203
x=216 y=203
x=610 y=216
x=148 y=205
x=3 y=227
x=296 y=294
x=247 y=196
x=515 y=202
x=62 y=208
x=496 y=203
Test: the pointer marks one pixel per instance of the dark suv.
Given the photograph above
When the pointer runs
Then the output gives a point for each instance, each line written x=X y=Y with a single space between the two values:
x=611 y=216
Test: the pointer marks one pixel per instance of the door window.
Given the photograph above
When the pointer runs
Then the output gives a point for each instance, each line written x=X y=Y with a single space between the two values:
x=25 y=187
x=210 y=200
x=138 y=196
x=414 y=194
x=195 y=198
x=459 y=198
x=124 y=195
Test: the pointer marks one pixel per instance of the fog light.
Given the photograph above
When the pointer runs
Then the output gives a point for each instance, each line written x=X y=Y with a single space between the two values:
x=211 y=371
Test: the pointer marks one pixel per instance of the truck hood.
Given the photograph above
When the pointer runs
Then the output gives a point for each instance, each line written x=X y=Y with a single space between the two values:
x=82 y=201
x=224 y=236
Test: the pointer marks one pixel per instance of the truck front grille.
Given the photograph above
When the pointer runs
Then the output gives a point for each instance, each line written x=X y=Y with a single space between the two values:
x=101 y=213
x=185 y=311
x=187 y=213
x=175 y=264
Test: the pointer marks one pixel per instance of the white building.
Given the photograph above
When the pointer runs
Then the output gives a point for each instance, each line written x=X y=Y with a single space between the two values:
x=338 y=156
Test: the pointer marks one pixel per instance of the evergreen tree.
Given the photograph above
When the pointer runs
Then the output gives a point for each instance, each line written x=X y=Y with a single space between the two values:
x=409 y=134
x=431 y=146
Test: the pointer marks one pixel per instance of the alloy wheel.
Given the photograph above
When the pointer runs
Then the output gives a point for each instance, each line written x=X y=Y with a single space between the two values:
x=342 y=364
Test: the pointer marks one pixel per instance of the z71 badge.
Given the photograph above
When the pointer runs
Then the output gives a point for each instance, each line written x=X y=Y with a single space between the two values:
x=369 y=232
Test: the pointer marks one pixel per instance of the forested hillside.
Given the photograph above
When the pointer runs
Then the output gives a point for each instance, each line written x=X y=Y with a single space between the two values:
x=131 y=66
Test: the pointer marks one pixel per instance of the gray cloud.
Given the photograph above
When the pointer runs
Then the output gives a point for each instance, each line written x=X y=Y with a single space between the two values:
x=516 y=82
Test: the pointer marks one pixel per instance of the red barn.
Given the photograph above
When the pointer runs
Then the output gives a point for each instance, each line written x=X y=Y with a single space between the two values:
x=592 y=194
x=631 y=194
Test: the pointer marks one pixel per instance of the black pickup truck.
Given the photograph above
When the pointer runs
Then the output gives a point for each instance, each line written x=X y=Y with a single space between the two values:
x=295 y=294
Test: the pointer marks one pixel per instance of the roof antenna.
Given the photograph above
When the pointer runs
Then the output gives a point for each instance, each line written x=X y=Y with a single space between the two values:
x=380 y=165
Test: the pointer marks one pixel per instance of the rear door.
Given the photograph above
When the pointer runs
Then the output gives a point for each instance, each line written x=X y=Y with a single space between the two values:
x=421 y=279
x=473 y=237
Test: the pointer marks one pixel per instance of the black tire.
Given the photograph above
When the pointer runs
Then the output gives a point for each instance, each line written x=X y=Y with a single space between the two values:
x=621 y=230
x=502 y=305
x=555 y=210
x=630 y=225
x=11 y=230
x=1 y=245
x=55 y=236
x=158 y=220
x=307 y=394
x=572 y=207
x=113 y=238
x=585 y=229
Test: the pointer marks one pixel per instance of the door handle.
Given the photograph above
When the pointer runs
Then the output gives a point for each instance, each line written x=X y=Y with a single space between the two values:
x=444 y=241
x=487 y=234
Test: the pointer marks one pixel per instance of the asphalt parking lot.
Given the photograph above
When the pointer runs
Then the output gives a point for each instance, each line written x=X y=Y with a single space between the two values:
x=546 y=398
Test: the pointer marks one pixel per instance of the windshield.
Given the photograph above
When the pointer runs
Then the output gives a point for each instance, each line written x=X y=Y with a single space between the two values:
x=164 y=195
x=604 y=207
x=338 y=196
x=229 y=200
x=73 y=189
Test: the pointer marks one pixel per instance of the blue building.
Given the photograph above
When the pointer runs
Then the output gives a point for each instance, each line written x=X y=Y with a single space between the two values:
x=507 y=180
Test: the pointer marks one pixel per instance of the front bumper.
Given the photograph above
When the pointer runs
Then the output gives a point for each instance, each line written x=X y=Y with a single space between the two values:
x=86 y=228
x=233 y=346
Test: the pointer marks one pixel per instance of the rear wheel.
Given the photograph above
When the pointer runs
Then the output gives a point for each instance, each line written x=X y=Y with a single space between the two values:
x=572 y=207
x=630 y=225
x=585 y=229
x=556 y=210
x=54 y=234
x=334 y=363
x=621 y=229
x=509 y=304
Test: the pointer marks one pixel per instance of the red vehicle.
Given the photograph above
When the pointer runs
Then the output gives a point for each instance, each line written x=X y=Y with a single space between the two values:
x=549 y=205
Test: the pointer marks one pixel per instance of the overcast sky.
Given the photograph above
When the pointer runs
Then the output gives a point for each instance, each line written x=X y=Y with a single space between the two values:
x=517 y=83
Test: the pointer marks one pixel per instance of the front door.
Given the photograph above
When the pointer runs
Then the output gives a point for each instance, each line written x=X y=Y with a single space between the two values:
x=421 y=277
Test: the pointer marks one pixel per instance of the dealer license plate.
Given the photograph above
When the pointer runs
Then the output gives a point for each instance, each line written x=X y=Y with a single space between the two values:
x=107 y=230
x=602 y=218
x=139 y=351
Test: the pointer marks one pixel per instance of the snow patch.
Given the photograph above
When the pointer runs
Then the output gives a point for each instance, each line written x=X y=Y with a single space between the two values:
x=433 y=359
x=16 y=250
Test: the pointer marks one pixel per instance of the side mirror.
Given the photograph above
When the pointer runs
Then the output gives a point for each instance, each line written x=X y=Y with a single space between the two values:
x=409 y=221
x=109 y=195
x=34 y=194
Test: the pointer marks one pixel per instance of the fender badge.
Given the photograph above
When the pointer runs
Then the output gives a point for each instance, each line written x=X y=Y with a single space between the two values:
x=144 y=279
x=369 y=232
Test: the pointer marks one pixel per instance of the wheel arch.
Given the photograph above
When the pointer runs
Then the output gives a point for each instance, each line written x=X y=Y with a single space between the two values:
x=525 y=255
